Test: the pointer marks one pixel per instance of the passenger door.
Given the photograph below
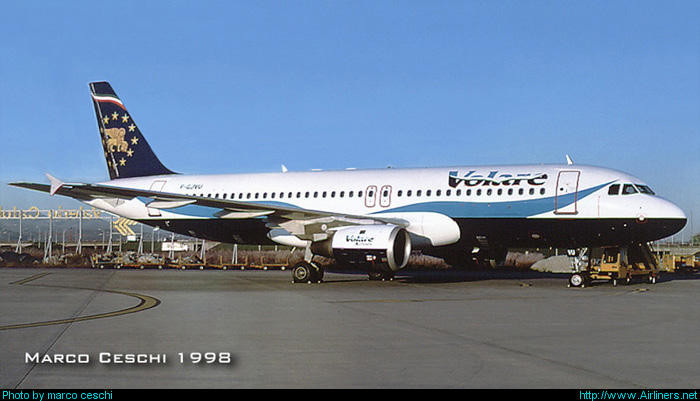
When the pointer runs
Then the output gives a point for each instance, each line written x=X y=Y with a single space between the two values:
x=566 y=198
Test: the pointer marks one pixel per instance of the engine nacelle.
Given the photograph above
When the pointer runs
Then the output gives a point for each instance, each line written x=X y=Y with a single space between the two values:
x=369 y=244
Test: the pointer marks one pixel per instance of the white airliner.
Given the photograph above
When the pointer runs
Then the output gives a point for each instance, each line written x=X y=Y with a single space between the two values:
x=373 y=218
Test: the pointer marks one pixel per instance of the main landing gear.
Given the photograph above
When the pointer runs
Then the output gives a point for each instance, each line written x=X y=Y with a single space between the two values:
x=380 y=275
x=307 y=272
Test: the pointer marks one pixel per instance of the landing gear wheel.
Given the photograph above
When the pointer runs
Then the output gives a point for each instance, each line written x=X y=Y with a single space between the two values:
x=577 y=280
x=304 y=272
x=380 y=275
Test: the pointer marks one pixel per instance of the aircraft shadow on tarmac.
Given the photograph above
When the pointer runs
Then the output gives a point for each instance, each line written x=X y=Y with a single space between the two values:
x=427 y=276
x=443 y=276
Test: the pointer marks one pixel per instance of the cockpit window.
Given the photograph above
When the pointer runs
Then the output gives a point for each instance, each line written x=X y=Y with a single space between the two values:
x=614 y=189
x=644 y=189
x=629 y=189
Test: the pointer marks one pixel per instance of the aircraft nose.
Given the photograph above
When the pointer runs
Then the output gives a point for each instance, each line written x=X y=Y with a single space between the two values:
x=660 y=208
x=669 y=217
x=672 y=211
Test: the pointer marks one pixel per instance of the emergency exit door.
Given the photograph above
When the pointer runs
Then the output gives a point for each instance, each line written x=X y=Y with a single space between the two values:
x=157 y=185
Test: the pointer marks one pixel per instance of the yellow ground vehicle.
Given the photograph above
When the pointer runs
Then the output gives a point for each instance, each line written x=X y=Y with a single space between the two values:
x=618 y=263
x=678 y=263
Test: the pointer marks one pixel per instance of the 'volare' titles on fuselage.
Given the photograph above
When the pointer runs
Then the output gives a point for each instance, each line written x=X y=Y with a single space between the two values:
x=494 y=178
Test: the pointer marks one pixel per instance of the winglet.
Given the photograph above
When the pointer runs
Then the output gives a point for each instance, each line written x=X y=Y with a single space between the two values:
x=56 y=184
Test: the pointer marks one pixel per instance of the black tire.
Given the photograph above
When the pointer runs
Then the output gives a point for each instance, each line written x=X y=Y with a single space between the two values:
x=301 y=273
x=577 y=280
x=380 y=275
x=374 y=275
x=304 y=272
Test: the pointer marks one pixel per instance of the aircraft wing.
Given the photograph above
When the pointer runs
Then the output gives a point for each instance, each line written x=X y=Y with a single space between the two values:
x=306 y=224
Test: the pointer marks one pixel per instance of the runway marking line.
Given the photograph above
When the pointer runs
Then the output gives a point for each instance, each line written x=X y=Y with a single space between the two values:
x=146 y=302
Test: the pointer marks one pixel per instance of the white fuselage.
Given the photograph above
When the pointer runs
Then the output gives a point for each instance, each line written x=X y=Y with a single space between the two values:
x=499 y=194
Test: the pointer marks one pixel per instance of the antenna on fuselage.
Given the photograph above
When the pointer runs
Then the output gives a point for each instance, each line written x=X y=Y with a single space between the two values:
x=568 y=160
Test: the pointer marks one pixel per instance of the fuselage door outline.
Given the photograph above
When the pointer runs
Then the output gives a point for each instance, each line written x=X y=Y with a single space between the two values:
x=371 y=196
x=567 y=184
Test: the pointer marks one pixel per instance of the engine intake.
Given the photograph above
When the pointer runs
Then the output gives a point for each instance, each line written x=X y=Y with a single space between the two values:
x=369 y=244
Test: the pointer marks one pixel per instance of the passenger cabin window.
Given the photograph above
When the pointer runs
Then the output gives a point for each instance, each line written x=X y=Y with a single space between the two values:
x=629 y=189
x=614 y=189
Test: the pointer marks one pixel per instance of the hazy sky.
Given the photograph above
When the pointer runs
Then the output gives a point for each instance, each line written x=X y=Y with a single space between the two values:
x=244 y=86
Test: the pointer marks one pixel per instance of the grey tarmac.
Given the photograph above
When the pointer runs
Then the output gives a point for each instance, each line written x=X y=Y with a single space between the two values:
x=91 y=328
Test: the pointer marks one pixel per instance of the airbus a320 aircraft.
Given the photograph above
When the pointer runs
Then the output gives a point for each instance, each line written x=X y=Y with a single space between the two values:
x=372 y=218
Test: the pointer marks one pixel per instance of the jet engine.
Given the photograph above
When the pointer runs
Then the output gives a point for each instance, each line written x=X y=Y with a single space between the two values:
x=383 y=245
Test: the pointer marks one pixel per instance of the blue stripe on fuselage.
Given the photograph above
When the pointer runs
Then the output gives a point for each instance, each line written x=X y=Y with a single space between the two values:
x=520 y=209
x=454 y=209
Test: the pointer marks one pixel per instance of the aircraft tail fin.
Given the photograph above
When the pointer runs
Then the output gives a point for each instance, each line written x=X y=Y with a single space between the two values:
x=126 y=151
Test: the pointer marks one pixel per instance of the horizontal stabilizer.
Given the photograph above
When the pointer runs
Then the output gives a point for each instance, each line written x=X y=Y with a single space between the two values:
x=56 y=184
